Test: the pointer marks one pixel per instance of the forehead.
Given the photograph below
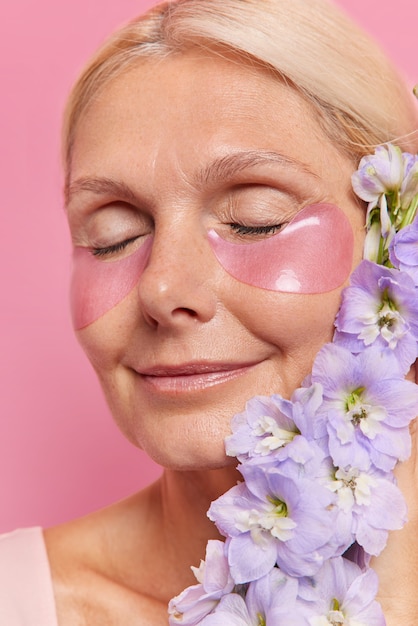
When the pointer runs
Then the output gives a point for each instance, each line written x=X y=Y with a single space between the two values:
x=179 y=111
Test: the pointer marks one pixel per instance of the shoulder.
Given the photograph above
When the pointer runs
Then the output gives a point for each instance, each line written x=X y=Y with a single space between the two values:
x=26 y=595
x=95 y=565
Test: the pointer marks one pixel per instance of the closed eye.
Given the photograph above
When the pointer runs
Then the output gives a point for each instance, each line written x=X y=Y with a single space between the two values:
x=114 y=248
x=240 y=229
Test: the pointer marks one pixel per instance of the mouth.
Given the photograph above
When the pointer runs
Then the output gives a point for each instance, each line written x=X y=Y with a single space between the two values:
x=190 y=377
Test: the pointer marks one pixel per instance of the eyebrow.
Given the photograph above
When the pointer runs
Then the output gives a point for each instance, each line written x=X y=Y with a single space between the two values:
x=99 y=186
x=228 y=166
x=222 y=168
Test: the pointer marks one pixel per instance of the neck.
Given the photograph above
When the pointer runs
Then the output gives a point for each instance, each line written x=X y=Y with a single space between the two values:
x=184 y=526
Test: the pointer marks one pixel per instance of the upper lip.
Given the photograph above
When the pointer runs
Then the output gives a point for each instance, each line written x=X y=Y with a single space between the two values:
x=189 y=369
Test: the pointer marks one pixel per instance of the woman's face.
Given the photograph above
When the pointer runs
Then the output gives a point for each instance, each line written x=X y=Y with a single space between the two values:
x=173 y=149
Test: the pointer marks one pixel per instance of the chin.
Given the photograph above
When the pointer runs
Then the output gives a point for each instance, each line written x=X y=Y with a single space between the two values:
x=181 y=456
x=182 y=439
x=183 y=453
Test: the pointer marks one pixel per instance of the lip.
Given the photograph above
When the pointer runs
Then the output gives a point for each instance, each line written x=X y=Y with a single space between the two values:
x=189 y=377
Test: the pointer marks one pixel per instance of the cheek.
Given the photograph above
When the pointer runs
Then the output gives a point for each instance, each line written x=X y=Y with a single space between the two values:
x=105 y=340
x=291 y=322
x=97 y=286
x=293 y=327
x=312 y=255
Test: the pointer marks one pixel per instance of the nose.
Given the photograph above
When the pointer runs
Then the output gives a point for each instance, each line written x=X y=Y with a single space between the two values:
x=177 y=288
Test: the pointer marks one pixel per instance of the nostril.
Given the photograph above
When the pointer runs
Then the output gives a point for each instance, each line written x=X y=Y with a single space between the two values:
x=189 y=312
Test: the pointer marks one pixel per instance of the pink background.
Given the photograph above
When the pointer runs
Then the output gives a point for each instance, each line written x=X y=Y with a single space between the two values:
x=60 y=454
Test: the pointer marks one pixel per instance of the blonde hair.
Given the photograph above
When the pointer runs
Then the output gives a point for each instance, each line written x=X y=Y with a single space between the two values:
x=360 y=99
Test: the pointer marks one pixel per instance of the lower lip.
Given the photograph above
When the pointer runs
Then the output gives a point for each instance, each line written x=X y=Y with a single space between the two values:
x=192 y=382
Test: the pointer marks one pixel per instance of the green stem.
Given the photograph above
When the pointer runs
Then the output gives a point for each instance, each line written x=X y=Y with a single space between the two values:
x=381 y=252
x=409 y=215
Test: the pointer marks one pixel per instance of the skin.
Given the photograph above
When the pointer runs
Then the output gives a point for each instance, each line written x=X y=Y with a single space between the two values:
x=175 y=119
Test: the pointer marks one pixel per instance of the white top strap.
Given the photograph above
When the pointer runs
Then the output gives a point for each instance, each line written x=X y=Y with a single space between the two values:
x=26 y=595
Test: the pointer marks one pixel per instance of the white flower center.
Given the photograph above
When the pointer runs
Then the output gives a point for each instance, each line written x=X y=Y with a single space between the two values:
x=391 y=324
x=387 y=322
x=273 y=437
x=352 y=487
x=363 y=415
x=336 y=618
x=273 y=520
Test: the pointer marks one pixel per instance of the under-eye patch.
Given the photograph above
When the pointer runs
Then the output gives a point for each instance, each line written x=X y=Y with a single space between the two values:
x=97 y=285
x=312 y=254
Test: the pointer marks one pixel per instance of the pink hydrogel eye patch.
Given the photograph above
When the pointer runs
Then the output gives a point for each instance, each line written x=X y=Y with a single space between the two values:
x=312 y=254
x=97 y=285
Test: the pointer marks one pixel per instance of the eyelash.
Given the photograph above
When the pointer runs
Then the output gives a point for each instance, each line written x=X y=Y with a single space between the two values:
x=117 y=247
x=240 y=229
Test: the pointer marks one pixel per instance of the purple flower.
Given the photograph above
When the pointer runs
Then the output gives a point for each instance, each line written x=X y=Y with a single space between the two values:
x=269 y=600
x=274 y=518
x=272 y=429
x=379 y=308
x=264 y=427
x=403 y=251
x=379 y=173
x=370 y=505
x=367 y=407
x=341 y=594
x=189 y=608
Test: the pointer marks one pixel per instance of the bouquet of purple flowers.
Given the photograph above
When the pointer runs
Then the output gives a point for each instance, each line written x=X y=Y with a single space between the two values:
x=318 y=495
